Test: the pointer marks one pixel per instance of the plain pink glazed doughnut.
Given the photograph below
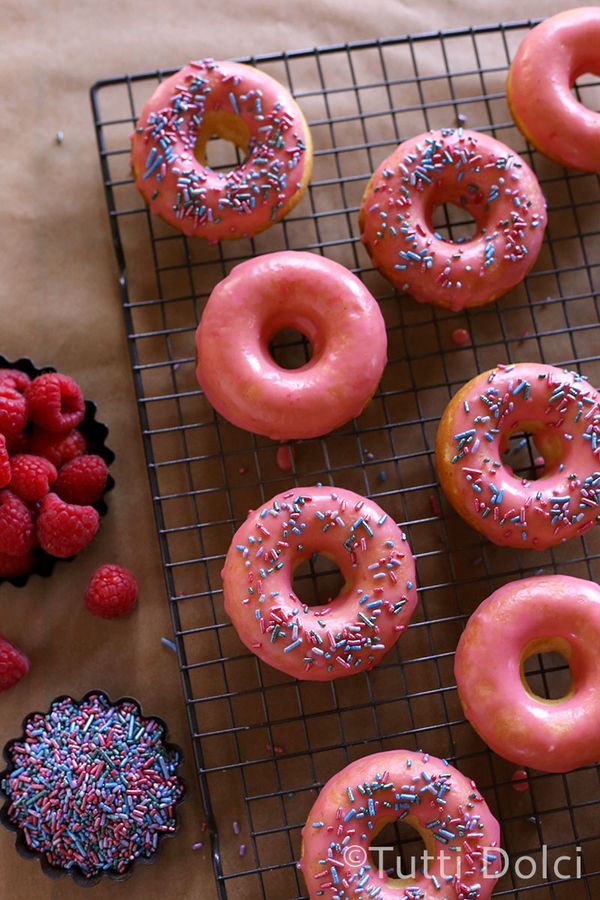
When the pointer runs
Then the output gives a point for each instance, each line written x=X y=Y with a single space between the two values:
x=353 y=631
x=239 y=104
x=550 y=613
x=440 y=803
x=325 y=302
x=562 y=412
x=547 y=64
x=470 y=170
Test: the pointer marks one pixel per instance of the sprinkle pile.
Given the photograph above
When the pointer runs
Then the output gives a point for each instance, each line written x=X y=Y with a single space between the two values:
x=92 y=785
x=565 y=410
x=346 y=634
x=204 y=198
x=429 y=792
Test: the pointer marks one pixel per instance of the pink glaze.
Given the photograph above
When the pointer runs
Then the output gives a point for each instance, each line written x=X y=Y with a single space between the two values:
x=319 y=298
x=548 y=63
x=242 y=105
x=351 y=632
x=480 y=175
x=562 y=412
x=459 y=831
x=520 y=782
x=536 y=615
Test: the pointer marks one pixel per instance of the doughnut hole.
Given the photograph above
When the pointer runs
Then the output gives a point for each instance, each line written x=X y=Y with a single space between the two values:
x=290 y=348
x=292 y=341
x=586 y=89
x=222 y=141
x=317 y=581
x=398 y=852
x=453 y=223
x=545 y=671
x=531 y=450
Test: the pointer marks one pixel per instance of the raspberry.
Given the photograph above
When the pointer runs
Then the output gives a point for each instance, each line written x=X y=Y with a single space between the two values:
x=111 y=592
x=58 y=448
x=13 y=664
x=5 y=472
x=13 y=566
x=82 y=480
x=14 y=378
x=16 y=525
x=17 y=444
x=64 y=529
x=32 y=477
x=13 y=411
x=55 y=402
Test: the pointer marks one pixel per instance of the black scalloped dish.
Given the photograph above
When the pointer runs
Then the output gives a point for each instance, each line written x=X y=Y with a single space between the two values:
x=76 y=873
x=95 y=434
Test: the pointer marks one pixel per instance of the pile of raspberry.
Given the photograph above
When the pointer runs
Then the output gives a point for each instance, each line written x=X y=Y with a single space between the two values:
x=49 y=483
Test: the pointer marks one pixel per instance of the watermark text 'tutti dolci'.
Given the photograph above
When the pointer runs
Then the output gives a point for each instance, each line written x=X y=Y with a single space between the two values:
x=495 y=863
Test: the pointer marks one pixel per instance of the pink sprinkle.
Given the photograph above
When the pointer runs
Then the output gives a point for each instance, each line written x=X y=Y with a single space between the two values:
x=275 y=748
x=519 y=780
x=434 y=505
x=284 y=458
x=461 y=337
x=539 y=462
x=243 y=470
x=585 y=527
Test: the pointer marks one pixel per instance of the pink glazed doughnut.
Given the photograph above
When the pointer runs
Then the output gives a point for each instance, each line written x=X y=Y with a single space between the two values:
x=470 y=170
x=548 y=63
x=239 y=104
x=459 y=832
x=351 y=632
x=322 y=300
x=551 y=613
x=562 y=412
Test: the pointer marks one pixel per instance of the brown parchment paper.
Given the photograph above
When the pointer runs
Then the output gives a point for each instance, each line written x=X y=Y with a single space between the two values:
x=59 y=305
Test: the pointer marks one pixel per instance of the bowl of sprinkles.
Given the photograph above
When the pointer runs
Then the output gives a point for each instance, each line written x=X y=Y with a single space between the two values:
x=91 y=788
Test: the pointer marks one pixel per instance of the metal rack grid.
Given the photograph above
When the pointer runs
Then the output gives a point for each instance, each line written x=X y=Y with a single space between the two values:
x=263 y=743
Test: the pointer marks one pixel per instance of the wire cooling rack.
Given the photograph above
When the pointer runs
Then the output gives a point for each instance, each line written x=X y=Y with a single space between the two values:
x=264 y=744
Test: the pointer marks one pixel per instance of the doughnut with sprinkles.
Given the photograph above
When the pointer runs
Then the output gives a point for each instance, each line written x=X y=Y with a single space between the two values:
x=459 y=832
x=346 y=635
x=561 y=410
x=480 y=175
x=237 y=103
